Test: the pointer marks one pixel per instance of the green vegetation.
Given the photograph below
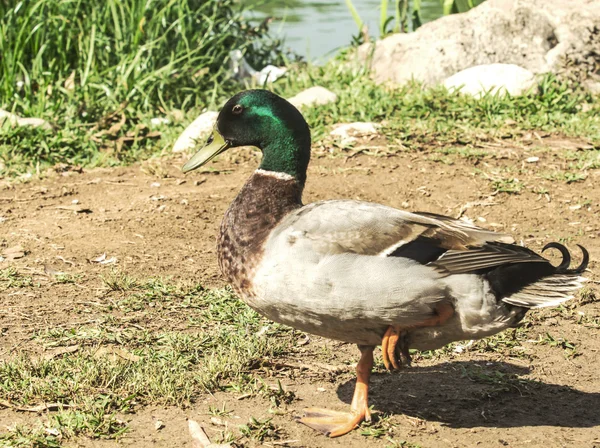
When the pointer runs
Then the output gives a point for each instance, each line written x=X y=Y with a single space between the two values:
x=400 y=19
x=98 y=72
x=413 y=117
x=90 y=374
x=111 y=70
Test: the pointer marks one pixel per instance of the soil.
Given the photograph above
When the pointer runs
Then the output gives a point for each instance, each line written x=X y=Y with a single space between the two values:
x=158 y=222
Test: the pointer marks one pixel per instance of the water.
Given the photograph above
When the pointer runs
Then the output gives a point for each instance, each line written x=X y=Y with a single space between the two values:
x=317 y=29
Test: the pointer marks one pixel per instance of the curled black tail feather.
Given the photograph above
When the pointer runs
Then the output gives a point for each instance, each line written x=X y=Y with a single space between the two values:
x=566 y=261
x=563 y=267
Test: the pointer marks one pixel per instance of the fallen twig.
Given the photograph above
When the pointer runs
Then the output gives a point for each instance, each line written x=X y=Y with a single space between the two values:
x=39 y=408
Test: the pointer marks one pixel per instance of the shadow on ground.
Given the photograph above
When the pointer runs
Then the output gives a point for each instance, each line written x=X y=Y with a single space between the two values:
x=471 y=394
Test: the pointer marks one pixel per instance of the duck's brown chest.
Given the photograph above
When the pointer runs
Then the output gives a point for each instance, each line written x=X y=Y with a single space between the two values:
x=261 y=204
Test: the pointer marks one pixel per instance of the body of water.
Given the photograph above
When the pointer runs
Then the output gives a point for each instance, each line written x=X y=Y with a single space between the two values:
x=317 y=29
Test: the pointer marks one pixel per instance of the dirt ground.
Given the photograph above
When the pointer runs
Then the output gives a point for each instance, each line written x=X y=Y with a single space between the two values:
x=158 y=222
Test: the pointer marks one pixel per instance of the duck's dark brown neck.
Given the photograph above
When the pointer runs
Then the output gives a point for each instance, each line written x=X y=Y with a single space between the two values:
x=263 y=202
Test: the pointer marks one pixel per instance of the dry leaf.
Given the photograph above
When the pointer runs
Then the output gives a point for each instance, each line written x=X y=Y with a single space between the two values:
x=103 y=260
x=59 y=351
x=12 y=253
x=200 y=439
x=51 y=271
x=64 y=260
x=70 y=82
x=114 y=352
x=217 y=421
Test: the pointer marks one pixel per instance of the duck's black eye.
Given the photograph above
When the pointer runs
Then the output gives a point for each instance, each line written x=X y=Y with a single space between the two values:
x=237 y=109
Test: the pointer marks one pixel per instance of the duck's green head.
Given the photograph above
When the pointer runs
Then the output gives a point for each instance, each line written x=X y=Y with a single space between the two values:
x=262 y=119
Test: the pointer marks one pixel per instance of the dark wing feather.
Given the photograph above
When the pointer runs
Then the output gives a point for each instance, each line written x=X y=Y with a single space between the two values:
x=485 y=257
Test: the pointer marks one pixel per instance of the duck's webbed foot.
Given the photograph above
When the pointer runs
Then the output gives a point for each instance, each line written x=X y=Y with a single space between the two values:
x=394 y=348
x=334 y=423
x=394 y=344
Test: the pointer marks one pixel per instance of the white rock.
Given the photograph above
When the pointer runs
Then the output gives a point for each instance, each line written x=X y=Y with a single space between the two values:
x=242 y=70
x=15 y=120
x=196 y=131
x=592 y=86
x=532 y=159
x=348 y=133
x=314 y=96
x=493 y=78
x=540 y=35
x=357 y=129
x=159 y=121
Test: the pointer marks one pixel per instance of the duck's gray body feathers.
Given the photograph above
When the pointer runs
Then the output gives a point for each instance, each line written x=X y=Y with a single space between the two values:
x=344 y=270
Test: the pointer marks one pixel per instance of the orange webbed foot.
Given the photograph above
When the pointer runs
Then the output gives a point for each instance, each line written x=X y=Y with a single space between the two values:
x=334 y=423
x=394 y=348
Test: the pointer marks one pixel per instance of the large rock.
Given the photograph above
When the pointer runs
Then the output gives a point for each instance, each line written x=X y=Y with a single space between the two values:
x=493 y=78
x=314 y=96
x=538 y=35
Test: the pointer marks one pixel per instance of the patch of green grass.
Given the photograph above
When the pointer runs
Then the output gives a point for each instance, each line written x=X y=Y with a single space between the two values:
x=510 y=186
x=117 y=280
x=507 y=343
x=565 y=176
x=261 y=430
x=98 y=422
x=98 y=72
x=500 y=382
x=219 y=412
x=570 y=348
x=415 y=115
x=11 y=278
x=413 y=118
x=278 y=395
x=118 y=364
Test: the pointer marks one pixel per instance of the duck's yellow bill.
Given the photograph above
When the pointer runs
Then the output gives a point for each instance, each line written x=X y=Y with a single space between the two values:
x=214 y=146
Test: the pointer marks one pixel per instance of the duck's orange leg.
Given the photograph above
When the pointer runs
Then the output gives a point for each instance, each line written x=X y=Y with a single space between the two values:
x=389 y=342
x=334 y=423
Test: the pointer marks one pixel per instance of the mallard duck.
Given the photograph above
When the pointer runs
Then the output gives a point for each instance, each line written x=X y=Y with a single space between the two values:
x=361 y=272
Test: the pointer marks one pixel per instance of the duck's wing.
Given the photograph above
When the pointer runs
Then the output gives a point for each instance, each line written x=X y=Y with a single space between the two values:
x=372 y=229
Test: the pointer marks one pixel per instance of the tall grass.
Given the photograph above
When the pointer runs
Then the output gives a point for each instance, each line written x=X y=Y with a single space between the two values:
x=400 y=19
x=150 y=53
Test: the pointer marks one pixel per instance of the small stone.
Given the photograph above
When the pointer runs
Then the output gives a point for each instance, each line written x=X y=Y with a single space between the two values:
x=314 y=96
x=159 y=121
x=155 y=184
x=348 y=132
x=532 y=159
x=493 y=78
x=158 y=425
